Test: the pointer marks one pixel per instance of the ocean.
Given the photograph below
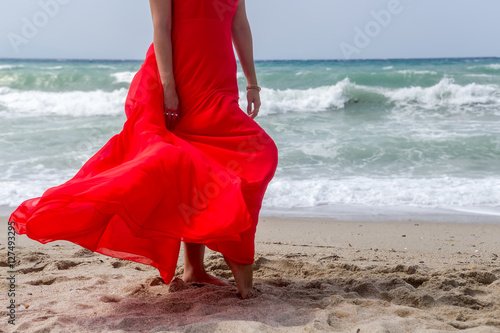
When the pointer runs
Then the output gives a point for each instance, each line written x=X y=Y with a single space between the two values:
x=370 y=139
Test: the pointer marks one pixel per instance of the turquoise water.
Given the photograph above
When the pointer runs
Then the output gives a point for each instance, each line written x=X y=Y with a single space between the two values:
x=354 y=137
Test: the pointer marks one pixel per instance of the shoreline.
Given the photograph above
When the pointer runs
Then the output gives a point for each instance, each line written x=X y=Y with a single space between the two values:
x=309 y=274
x=351 y=213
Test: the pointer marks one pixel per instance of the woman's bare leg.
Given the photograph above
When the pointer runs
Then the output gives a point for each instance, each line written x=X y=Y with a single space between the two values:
x=194 y=269
x=243 y=276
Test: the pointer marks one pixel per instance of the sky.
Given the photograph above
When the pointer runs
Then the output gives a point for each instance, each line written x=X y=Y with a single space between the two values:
x=282 y=29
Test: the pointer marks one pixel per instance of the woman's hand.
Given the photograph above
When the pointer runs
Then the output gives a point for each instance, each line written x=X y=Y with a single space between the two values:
x=253 y=99
x=171 y=107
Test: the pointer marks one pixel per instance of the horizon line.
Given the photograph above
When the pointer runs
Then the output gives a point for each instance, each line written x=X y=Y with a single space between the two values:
x=256 y=60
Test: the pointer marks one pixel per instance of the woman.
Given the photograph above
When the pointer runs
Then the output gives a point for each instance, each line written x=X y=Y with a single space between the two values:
x=189 y=164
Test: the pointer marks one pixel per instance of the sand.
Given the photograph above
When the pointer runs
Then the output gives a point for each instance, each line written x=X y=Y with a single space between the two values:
x=311 y=275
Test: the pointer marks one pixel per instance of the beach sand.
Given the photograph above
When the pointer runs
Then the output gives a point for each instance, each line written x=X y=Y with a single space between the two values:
x=311 y=275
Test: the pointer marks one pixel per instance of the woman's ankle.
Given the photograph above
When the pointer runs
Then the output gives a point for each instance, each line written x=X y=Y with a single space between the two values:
x=243 y=277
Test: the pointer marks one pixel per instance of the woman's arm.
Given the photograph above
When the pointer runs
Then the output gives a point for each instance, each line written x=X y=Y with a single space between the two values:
x=161 y=13
x=242 y=40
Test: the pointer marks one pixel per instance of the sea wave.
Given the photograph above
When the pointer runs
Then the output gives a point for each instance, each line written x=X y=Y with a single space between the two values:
x=446 y=93
x=15 y=103
x=445 y=192
x=123 y=77
x=431 y=192
x=58 y=78
x=410 y=72
x=303 y=100
x=52 y=67
x=105 y=67
x=480 y=75
x=490 y=66
x=2 y=67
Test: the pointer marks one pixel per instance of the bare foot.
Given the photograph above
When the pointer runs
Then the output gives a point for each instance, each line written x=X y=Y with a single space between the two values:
x=194 y=270
x=243 y=276
x=204 y=277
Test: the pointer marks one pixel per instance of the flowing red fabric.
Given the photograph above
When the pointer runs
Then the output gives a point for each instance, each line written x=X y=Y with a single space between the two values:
x=149 y=188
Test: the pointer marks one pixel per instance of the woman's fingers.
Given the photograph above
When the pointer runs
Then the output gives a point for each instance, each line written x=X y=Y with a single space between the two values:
x=172 y=117
x=249 y=106
x=255 y=113
x=171 y=107
x=253 y=99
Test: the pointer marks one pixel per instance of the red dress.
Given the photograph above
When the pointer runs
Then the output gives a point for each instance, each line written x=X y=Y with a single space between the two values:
x=149 y=188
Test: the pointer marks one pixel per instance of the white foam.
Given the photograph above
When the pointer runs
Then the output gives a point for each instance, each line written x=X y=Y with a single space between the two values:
x=123 y=77
x=387 y=67
x=446 y=93
x=410 y=72
x=33 y=184
x=52 y=67
x=491 y=66
x=4 y=90
x=445 y=192
x=13 y=193
x=10 y=66
x=308 y=100
x=105 y=67
x=480 y=75
x=479 y=196
x=74 y=103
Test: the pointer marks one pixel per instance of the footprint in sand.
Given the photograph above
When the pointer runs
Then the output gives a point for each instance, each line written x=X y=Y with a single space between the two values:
x=481 y=277
x=100 y=282
x=45 y=281
x=33 y=256
x=120 y=263
x=31 y=269
x=61 y=265
x=83 y=253
x=463 y=301
x=110 y=299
